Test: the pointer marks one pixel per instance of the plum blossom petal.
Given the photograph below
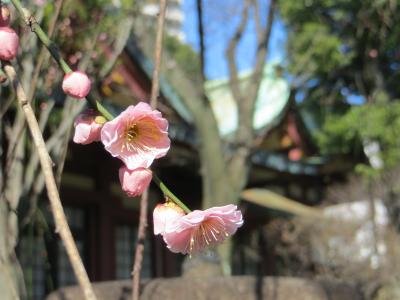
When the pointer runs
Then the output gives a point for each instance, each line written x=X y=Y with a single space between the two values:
x=199 y=229
x=134 y=182
x=87 y=129
x=76 y=84
x=137 y=136
x=165 y=214
x=9 y=42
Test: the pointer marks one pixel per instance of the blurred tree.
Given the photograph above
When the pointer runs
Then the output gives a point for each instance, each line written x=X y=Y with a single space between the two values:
x=345 y=62
x=346 y=52
x=185 y=56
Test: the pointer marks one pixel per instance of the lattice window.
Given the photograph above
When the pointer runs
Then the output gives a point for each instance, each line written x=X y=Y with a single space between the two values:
x=32 y=259
x=76 y=220
x=125 y=243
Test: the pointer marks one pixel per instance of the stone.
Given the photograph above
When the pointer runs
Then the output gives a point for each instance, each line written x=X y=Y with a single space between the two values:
x=220 y=288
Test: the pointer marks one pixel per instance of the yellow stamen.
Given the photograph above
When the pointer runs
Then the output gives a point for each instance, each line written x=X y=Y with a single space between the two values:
x=131 y=133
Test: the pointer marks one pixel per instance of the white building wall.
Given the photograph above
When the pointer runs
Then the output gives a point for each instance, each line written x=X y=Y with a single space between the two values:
x=174 y=16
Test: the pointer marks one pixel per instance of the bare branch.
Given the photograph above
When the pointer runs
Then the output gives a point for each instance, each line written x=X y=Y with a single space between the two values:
x=262 y=50
x=245 y=132
x=259 y=29
x=231 y=51
x=137 y=267
x=59 y=150
x=59 y=217
x=200 y=28
x=155 y=88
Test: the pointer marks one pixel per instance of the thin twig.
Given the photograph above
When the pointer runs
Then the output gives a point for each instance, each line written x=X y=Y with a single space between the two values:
x=59 y=150
x=59 y=216
x=144 y=199
x=202 y=52
x=43 y=53
x=157 y=54
x=200 y=29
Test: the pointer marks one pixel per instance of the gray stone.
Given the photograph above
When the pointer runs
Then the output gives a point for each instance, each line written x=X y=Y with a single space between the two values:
x=249 y=288
x=220 y=288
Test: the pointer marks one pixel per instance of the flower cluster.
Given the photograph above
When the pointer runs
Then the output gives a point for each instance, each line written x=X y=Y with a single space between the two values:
x=137 y=136
x=192 y=232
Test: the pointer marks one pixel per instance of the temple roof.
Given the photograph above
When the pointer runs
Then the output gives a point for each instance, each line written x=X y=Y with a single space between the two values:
x=272 y=108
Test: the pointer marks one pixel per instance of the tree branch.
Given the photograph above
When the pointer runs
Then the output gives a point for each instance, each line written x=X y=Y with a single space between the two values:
x=30 y=21
x=231 y=53
x=239 y=165
x=59 y=217
x=43 y=53
x=200 y=29
x=155 y=90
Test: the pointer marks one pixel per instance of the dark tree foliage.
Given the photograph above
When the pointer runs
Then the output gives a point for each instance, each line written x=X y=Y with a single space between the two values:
x=341 y=50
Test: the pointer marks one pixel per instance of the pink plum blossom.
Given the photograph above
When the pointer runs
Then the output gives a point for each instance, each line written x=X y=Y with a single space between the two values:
x=87 y=128
x=134 y=182
x=4 y=16
x=197 y=230
x=9 y=42
x=137 y=136
x=76 y=84
x=165 y=214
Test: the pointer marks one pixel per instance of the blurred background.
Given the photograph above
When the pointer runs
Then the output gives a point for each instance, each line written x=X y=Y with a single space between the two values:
x=288 y=108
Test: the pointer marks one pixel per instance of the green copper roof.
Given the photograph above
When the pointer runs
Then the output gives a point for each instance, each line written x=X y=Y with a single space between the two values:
x=272 y=98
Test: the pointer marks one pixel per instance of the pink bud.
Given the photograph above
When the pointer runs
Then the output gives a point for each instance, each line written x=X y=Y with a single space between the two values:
x=87 y=130
x=165 y=214
x=76 y=84
x=9 y=42
x=4 y=16
x=134 y=182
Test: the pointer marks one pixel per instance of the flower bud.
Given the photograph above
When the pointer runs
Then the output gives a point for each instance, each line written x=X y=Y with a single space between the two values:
x=165 y=214
x=87 y=130
x=76 y=84
x=9 y=42
x=4 y=15
x=134 y=182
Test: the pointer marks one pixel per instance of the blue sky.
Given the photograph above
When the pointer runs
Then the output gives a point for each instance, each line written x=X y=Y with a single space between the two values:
x=218 y=34
x=220 y=26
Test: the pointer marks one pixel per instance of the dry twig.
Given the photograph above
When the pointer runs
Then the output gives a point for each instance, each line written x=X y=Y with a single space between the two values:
x=144 y=200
